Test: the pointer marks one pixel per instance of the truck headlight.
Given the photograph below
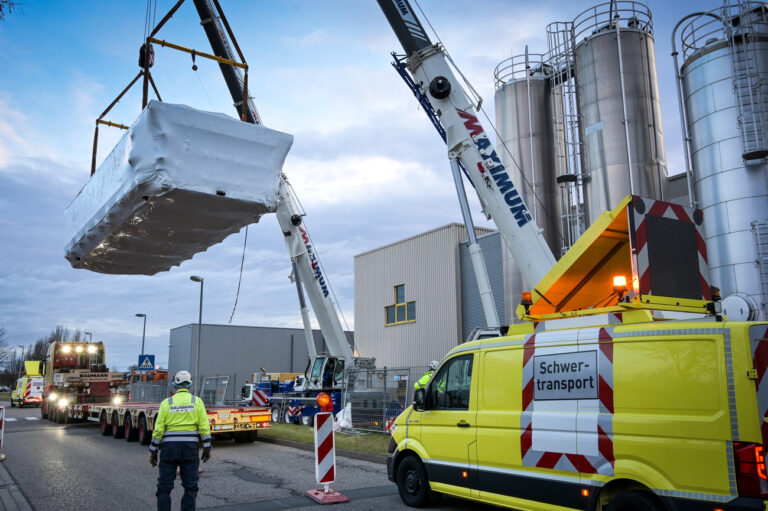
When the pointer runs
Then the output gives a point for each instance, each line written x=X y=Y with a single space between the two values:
x=117 y=400
x=52 y=396
x=63 y=402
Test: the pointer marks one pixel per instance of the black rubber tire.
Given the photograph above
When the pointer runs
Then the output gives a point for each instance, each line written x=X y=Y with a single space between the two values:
x=634 y=500
x=307 y=420
x=252 y=436
x=106 y=427
x=21 y=403
x=12 y=404
x=62 y=417
x=117 y=430
x=287 y=417
x=131 y=433
x=43 y=412
x=144 y=436
x=275 y=412
x=412 y=483
x=241 y=437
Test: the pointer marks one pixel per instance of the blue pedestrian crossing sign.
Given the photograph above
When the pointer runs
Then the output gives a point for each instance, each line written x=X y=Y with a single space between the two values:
x=146 y=362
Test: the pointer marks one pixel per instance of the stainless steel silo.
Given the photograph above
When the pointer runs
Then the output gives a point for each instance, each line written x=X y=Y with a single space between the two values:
x=524 y=120
x=723 y=81
x=620 y=112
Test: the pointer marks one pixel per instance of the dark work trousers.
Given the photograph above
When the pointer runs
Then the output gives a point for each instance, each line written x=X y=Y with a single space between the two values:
x=184 y=455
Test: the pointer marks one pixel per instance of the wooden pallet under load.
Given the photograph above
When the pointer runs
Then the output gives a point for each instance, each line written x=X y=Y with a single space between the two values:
x=179 y=181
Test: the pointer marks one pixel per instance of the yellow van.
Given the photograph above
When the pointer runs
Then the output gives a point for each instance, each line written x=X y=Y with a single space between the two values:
x=623 y=413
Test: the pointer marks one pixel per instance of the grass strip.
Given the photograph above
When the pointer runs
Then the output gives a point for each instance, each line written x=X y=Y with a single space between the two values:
x=370 y=443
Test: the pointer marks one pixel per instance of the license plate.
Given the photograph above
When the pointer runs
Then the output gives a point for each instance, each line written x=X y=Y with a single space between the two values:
x=223 y=415
x=227 y=426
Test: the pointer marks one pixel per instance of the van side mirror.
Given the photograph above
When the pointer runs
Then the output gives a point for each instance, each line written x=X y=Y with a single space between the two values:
x=418 y=400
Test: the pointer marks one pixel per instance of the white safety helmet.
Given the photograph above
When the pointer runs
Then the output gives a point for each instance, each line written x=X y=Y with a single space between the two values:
x=433 y=365
x=182 y=379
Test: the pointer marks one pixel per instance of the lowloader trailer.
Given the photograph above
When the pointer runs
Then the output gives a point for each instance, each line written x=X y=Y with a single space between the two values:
x=136 y=421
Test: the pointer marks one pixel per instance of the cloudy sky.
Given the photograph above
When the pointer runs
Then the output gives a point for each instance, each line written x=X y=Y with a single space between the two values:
x=366 y=164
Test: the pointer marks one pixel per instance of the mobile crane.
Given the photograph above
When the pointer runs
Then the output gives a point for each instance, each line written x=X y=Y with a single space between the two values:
x=326 y=372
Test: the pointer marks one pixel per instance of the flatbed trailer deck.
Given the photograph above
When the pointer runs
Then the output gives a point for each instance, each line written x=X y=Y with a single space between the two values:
x=135 y=421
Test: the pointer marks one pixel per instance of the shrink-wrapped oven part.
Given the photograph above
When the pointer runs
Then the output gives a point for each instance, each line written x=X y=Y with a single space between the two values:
x=179 y=181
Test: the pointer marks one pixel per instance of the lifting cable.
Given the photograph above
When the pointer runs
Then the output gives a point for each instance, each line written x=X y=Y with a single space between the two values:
x=240 y=278
x=498 y=137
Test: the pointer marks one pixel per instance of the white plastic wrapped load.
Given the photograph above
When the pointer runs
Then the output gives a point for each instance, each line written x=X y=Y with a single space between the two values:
x=179 y=181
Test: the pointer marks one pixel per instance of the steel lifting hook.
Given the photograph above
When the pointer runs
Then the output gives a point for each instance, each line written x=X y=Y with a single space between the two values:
x=194 y=66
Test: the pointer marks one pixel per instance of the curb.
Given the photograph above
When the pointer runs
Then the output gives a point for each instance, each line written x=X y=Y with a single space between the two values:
x=373 y=458
x=11 y=497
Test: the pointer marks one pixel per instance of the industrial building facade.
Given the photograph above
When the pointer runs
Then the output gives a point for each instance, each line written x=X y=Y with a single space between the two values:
x=427 y=281
x=240 y=351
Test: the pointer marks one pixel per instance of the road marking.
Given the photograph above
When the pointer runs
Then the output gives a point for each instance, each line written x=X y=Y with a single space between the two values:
x=10 y=419
x=32 y=418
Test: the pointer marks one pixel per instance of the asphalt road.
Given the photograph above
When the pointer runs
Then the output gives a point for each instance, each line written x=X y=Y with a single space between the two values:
x=73 y=467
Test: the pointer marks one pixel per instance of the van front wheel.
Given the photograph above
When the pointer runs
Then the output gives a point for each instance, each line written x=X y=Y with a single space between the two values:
x=412 y=483
x=634 y=500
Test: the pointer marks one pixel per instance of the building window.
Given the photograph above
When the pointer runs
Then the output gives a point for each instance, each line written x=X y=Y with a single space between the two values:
x=401 y=311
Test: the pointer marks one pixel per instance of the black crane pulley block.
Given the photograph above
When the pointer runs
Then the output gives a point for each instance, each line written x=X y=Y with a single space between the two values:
x=146 y=56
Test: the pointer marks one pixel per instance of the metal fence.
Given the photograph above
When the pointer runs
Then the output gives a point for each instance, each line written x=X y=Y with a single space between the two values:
x=214 y=390
x=378 y=396
x=148 y=391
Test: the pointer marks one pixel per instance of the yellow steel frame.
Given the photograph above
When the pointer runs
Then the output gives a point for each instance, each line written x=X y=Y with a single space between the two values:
x=197 y=53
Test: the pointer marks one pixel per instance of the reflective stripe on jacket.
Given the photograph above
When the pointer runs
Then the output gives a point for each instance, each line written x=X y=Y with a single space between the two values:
x=181 y=418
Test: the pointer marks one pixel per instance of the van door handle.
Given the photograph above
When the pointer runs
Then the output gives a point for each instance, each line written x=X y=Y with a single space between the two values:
x=462 y=424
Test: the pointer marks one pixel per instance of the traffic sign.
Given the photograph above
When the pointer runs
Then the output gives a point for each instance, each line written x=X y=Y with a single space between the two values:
x=146 y=362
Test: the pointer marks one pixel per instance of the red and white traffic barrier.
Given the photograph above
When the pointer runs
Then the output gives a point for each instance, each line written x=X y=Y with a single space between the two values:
x=325 y=455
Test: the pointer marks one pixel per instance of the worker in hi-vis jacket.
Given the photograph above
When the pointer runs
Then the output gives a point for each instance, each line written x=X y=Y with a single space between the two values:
x=180 y=425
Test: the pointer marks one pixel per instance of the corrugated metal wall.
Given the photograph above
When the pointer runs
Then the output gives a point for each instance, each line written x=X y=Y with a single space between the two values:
x=239 y=351
x=471 y=307
x=428 y=265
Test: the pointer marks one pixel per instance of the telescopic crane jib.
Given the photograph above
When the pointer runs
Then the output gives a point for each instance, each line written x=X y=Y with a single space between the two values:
x=468 y=143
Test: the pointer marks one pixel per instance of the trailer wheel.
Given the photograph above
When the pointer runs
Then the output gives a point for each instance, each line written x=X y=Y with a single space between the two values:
x=63 y=416
x=117 y=431
x=44 y=411
x=144 y=436
x=275 y=413
x=252 y=435
x=106 y=427
x=287 y=417
x=131 y=433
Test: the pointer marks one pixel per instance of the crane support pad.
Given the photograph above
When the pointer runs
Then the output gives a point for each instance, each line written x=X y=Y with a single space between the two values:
x=179 y=181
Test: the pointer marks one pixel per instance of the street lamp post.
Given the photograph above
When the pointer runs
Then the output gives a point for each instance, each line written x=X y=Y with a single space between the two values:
x=195 y=278
x=144 y=330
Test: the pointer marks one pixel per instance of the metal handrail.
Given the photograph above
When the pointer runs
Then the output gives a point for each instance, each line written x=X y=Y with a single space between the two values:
x=632 y=15
x=519 y=67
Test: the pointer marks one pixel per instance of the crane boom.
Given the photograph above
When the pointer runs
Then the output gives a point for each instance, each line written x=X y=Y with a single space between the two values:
x=467 y=142
x=310 y=273
x=307 y=269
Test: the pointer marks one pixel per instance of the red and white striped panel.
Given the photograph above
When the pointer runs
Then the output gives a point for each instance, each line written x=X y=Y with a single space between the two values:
x=760 y=361
x=571 y=434
x=650 y=207
x=294 y=410
x=325 y=448
x=388 y=423
x=259 y=397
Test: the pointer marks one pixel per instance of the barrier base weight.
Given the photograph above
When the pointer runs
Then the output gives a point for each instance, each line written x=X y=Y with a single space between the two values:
x=329 y=497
